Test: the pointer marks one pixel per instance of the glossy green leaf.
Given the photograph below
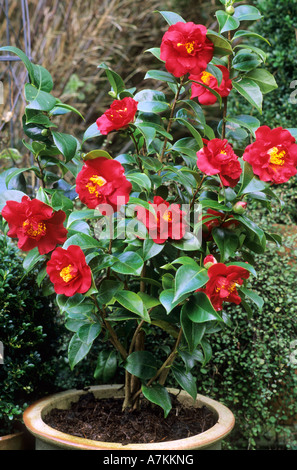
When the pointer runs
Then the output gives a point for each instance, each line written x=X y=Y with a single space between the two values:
x=128 y=262
x=226 y=22
x=77 y=350
x=221 y=45
x=171 y=17
x=132 y=302
x=66 y=143
x=142 y=364
x=158 y=395
x=193 y=332
x=188 y=279
x=250 y=91
x=106 y=366
x=200 y=310
x=185 y=379
x=264 y=79
x=91 y=132
x=227 y=242
x=38 y=99
x=247 y=13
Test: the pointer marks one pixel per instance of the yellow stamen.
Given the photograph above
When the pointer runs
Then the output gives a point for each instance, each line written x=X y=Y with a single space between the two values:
x=65 y=273
x=277 y=157
x=93 y=184
x=167 y=216
x=28 y=226
x=205 y=77
x=188 y=45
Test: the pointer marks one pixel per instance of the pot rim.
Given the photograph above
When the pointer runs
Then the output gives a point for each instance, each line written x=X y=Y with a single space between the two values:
x=32 y=417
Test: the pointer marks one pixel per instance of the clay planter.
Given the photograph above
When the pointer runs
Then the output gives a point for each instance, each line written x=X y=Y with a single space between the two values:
x=48 y=438
x=17 y=441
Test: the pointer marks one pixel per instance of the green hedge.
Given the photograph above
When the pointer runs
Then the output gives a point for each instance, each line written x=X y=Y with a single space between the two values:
x=30 y=334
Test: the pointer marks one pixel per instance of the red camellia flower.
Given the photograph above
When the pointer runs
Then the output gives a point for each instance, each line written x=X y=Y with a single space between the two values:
x=166 y=223
x=218 y=158
x=102 y=181
x=186 y=49
x=213 y=219
x=35 y=224
x=205 y=96
x=222 y=284
x=273 y=155
x=120 y=114
x=68 y=271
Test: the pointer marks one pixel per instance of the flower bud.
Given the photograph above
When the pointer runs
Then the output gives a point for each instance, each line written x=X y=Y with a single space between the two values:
x=230 y=10
x=209 y=260
x=239 y=207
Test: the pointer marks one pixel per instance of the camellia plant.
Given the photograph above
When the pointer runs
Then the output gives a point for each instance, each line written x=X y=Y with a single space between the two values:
x=158 y=237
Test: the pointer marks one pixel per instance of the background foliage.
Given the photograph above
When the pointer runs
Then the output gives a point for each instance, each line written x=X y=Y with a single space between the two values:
x=251 y=369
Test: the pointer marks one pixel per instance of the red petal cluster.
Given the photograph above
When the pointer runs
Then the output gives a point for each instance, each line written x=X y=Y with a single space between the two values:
x=68 y=271
x=186 y=49
x=218 y=158
x=35 y=224
x=206 y=97
x=102 y=181
x=222 y=284
x=167 y=223
x=120 y=114
x=273 y=155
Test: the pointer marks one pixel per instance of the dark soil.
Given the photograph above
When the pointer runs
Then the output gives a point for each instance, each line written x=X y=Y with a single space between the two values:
x=104 y=420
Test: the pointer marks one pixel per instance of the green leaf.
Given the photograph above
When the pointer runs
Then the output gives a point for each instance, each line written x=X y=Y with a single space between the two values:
x=142 y=364
x=192 y=129
x=106 y=366
x=257 y=232
x=77 y=350
x=141 y=179
x=252 y=295
x=166 y=299
x=185 y=379
x=108 y=289
x=245 y=61
x=96 y=154
x=132 y=302
x=226 y=22
x=171 y=17
x=158 y=395
x=243 y=33
x=155 y=51
x=188 y=279
x=221 y=45
x=88 y=332
x=114 y=79
x=31 y=259
x=199 y=309
x=69 y=108
x=42 y=78
x=264 y=79
x=250 y=91
x=82 y=240
x=193 y=332
x=38 y=99
x=227 y=242
x=66 y=143
x=249 y=122
x=28 y=64
x=10 y=195
x=151 y=249
x=246 y=13
x=160 y=75
x=91 y=132
x=128 y=262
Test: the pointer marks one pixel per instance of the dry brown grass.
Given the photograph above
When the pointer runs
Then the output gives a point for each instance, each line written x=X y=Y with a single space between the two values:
x=71 y=37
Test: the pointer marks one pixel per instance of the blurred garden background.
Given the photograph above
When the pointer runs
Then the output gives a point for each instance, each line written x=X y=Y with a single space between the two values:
x=253 y=368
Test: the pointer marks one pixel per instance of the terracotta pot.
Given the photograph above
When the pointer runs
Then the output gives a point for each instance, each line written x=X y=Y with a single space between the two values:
x=17 y=441
x=48 y=438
